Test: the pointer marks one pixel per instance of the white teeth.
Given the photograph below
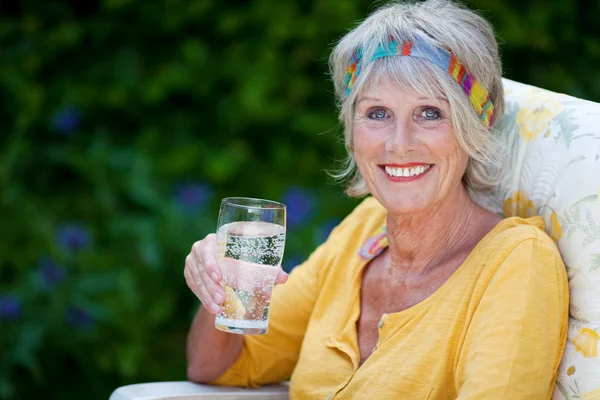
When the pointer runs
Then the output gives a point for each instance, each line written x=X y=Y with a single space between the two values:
x=407 y=172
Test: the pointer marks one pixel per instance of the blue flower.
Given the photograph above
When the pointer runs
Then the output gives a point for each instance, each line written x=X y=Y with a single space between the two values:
x=193 y=196
x=66 y=120
x=300 y=205
x=79 y=318
x=291 y=262
x=10 y=307
x=50 y=274
x=73 y=237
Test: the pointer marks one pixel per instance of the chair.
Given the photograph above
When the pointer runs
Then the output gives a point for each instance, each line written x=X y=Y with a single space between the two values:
x=192 y=391
x=553 y=171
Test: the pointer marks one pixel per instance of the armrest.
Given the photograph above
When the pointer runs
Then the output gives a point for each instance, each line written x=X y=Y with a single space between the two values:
x=194 y=391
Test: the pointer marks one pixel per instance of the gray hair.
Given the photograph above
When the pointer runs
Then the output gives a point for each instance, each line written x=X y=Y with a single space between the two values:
x=444 y=24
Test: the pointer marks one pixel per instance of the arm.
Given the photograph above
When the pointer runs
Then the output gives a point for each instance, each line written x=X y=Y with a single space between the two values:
x=271 y=358
x=206 y=343
x=210 y=352
x=517 y=334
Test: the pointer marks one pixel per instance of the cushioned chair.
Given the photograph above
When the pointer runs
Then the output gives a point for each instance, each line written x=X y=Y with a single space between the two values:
x=553 y=171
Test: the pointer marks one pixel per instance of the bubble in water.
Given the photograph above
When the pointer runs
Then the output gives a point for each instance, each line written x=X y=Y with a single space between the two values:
x=249 y=255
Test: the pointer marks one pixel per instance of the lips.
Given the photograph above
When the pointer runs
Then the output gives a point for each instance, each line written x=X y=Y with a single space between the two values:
x=406 y=171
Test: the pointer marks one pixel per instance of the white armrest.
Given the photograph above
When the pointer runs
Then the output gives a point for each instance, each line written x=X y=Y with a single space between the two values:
x=193 y=391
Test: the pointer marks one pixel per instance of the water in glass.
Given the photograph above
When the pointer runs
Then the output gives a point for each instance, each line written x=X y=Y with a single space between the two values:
x=249 y=254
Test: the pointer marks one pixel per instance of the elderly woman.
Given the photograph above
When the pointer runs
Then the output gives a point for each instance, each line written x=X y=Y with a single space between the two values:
x=419 y=293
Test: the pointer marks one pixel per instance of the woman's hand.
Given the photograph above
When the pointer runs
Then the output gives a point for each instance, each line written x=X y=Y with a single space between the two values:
x=203 y=275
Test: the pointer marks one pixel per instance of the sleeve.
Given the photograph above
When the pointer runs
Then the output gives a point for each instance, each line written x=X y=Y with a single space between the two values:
x=272 y=357
x=517 y=335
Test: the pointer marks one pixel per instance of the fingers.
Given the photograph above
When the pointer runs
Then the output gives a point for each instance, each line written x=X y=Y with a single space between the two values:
x=282 y=277
x=203 y=274
x=214 y=290
x=206 y=252
x=210 y=272
x=200 y=272
x=191 y=282
x=198 y=286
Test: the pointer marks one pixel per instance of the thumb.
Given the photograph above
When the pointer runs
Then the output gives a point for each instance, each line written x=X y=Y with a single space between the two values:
x=282 y=277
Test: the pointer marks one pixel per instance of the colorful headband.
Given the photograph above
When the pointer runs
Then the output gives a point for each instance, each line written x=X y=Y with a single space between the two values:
x=444 y=59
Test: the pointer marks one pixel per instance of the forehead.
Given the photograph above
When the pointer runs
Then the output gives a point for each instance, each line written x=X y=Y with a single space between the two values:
x=387 y=90
x=385 y=86
x=402 y=75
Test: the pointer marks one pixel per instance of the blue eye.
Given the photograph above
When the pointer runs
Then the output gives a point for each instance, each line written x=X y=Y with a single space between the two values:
x=430 y=114
x=377 y=114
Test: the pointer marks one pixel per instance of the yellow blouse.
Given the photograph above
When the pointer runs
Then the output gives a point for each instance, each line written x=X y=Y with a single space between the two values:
x=495 y=330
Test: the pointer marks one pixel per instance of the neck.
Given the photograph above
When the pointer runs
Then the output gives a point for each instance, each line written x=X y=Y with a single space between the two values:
x=420 y=242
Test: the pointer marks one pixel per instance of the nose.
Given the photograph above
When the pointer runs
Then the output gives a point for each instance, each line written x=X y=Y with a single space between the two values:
x=401 y=139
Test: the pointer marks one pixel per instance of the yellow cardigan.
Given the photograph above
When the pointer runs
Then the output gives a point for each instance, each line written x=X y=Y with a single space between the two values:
x=495 y=330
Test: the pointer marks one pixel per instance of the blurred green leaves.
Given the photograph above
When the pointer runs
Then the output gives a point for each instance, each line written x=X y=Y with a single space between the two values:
x=124 y=124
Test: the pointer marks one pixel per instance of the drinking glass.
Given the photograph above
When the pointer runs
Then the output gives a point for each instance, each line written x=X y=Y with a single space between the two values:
x=250 y=243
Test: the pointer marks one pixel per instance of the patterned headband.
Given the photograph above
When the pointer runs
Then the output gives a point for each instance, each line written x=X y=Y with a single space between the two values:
x=444 y=59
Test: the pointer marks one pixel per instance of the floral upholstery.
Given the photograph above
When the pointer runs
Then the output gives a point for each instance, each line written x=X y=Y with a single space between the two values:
x=554 y=171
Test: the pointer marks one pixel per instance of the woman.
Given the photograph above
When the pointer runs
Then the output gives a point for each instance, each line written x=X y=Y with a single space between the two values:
x=419 y=293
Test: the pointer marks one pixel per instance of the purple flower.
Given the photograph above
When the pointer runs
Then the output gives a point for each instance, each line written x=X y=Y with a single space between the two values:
x=291 y=262
x=10 y=307
x=300 y=205
x=50 y=274
x=79 y=318
x=73 y=237
x=193 y=196
x=66 y=120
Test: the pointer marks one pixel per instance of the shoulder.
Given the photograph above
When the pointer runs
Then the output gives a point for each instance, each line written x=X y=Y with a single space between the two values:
x=521 y=245
x=517 y=232
x=341 y=249
x=346 y=239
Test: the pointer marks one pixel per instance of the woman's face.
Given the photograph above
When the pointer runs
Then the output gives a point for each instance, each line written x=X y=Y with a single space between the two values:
x=405 y=149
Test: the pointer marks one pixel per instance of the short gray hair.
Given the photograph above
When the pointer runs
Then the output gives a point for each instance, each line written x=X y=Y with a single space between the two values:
x=444 y=24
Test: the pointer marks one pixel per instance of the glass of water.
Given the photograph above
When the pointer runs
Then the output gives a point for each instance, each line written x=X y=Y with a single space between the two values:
x=250 y=243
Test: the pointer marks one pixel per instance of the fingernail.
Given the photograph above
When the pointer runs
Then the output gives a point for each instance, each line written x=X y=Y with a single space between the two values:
x=218 y=298
x=214 y=307
x=214 y=276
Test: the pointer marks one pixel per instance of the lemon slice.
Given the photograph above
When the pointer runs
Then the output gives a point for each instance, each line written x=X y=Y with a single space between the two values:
x=233 y=306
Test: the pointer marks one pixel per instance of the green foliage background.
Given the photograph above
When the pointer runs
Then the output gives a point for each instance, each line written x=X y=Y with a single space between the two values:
x=124 y=122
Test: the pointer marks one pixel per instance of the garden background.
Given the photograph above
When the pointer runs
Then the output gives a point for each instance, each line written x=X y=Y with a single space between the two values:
x=124 y=122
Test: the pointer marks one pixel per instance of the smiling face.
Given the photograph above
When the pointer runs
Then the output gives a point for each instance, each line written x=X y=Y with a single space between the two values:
x=405 y=149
